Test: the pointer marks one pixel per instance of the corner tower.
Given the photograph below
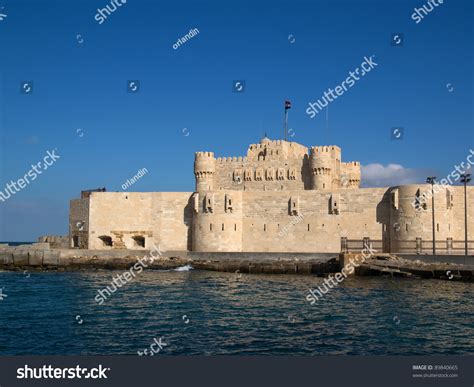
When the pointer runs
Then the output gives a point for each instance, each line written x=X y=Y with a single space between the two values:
x=350 y=174
x=204 y=170
x=322 y=166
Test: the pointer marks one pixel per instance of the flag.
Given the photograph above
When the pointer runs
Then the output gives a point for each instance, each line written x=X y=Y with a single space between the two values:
x=287 y=105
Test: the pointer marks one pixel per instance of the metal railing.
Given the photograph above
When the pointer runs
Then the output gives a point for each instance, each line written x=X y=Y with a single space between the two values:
x=412 y=246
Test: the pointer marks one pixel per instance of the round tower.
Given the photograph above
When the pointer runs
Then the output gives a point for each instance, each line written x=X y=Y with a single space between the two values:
x=320 y=163
x=217 y=221
x=204 y=170
x=351 y=175
x=411 y=218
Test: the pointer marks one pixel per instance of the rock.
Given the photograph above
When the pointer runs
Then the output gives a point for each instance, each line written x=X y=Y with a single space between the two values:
x=51 y=258
x=20 y=257
x=6 y=257
x=36 y=257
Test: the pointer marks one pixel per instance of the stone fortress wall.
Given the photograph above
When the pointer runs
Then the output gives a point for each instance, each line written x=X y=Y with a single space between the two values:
x=281 y=197
x=133 y=220
x=409 y=222
x=286 y=221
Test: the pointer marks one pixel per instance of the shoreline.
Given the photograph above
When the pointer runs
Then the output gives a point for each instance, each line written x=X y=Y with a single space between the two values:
x=40 y=257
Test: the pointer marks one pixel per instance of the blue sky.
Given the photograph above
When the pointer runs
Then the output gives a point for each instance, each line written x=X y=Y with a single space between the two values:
x=104 y=135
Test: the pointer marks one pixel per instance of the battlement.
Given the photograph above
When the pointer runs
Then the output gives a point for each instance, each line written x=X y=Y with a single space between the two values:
x=267 y=142
x=232 y=159
x=276 y=149
x=351 y=163
x=324 y=149
x=200 y=155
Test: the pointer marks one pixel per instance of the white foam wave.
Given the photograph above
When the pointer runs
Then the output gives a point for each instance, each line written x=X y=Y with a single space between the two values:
x=184 y=268
x=180 y=268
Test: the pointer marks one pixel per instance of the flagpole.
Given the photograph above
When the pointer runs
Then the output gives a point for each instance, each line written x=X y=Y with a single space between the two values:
x=327 y=123
x=285 y=124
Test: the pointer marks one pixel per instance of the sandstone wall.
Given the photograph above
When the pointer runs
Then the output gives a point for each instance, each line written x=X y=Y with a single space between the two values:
x=265 y=175
x=120 y=216
x=298 y=221
x=458 y=214
x=172 y=214
x=409 y=223
x=79 y=223
x=130 y=218
x=269 y=221
x=217 y=224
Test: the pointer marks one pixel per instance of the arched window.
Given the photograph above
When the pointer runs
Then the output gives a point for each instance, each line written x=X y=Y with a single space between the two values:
x=139 y=241
x=106 y=240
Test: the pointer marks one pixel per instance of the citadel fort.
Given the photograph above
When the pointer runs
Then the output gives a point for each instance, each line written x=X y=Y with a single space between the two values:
x=281 y=197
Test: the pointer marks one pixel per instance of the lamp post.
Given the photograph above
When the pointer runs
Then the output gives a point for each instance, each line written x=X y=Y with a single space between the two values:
x=431 y=180
x=465 y=179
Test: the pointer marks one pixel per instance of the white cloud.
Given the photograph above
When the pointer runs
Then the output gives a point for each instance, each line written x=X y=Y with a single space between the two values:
x=378 y=175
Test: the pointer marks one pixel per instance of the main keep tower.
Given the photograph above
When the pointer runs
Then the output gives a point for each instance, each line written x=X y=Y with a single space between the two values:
x=277 y=166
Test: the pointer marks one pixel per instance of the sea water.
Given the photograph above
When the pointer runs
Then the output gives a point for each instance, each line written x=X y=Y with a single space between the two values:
x=202 y=312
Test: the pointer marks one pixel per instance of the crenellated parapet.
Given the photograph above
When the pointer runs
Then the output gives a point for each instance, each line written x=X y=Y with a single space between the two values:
x=323 y=166
x=204 y=170
x=276 y=150
x=317 y=171
x=350 y=174
x=234 y=159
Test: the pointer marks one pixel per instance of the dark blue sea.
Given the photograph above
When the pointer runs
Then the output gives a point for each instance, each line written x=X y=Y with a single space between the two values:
x=202 y=313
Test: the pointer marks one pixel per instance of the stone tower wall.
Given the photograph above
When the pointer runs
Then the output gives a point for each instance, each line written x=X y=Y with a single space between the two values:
x=217 y=221
x=410 y=220
x=204 y=171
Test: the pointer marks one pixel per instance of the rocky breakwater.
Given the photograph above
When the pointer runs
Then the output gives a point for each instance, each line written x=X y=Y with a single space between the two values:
x=266 y=263
x=396 y=266
x=41 y=257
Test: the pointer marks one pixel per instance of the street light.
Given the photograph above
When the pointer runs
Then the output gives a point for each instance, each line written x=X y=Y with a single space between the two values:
x=465 y=179
x=431 y=180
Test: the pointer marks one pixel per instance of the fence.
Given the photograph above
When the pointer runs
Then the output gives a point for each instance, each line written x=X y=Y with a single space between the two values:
x=416 y=246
